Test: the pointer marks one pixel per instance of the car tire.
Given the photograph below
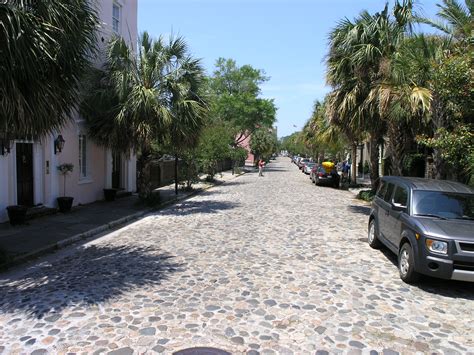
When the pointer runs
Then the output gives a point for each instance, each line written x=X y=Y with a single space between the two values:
x=372 y=238
x=406 y=265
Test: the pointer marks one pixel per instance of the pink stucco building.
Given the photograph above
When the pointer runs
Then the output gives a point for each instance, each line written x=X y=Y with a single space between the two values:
x=250 y=160
x=28 y=174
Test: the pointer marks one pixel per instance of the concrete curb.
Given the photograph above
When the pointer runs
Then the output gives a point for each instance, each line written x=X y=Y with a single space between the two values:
x=115 y=224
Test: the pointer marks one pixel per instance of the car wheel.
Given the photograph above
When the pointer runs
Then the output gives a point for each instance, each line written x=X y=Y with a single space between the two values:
x=406 y=264
x=372 y=238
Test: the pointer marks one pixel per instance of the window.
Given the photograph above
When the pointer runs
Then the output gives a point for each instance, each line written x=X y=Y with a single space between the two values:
x=382 y=189
x=82 y=156
x=389 y=192
x=400 y=197
x=116 y=18
x=444 y=204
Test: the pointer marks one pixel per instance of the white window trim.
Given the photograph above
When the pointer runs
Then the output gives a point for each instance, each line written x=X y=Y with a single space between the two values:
x=87 y=178
x=119 y=19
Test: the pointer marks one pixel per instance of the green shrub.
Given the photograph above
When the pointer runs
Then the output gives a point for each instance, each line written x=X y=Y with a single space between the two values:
x=366 y=195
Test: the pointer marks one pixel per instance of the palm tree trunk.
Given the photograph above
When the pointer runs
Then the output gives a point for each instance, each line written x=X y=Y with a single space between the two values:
x=176 y=174
x=397 y=144
x=374 y=162
x=438 y=119
x=144 y=185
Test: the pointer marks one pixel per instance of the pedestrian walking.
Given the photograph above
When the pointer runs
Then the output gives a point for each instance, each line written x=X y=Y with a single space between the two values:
x=261 y=165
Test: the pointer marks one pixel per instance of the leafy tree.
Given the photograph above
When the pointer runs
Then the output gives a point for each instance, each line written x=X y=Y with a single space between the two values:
x=293 y=144
x=215 y=144
x=45 y=48
x=234 y=98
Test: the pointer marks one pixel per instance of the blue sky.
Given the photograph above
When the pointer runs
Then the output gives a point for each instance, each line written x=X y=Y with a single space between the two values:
x=286 y=38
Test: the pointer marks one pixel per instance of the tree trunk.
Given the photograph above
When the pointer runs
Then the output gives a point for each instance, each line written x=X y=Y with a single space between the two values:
x=144 y=185
x=374 y=162
x=439 y=121
x=176 y=160
x=397 y=145
x=353 y=163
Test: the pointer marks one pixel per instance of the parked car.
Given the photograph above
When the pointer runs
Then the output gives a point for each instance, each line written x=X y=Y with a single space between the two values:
x=301 y=162
x=321 y=177
x=308 y=167
x=429 y=224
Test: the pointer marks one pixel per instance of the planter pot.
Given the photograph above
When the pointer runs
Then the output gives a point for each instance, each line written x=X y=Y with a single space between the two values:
x=17 y=214
x=65 y=204
x=109 y=194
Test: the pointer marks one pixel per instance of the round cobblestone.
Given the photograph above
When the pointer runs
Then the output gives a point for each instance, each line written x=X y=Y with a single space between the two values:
x=259 y=264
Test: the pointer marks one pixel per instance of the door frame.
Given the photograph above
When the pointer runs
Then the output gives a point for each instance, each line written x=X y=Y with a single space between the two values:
x=38 y=157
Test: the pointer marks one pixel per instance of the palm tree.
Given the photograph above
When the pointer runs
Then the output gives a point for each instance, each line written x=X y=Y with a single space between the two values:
x=45 y=48
x=139 y=100
x=456 y=20
x=188 y=108
x=360 y=59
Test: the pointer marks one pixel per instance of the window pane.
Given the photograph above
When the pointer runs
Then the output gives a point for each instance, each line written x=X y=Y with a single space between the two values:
x=115 y=11
x=444 y=204
x=389 y=192
x=382 y=189
x=115 y=25
x=401 y=196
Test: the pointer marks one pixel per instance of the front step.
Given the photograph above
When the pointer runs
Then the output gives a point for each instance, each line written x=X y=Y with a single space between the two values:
x=39 y=211
x=123 y=193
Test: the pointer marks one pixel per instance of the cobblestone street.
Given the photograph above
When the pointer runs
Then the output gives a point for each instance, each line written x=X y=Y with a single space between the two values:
x=269 y=265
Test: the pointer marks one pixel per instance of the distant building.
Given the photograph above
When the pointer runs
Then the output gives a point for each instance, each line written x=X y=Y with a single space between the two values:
x=28 y=174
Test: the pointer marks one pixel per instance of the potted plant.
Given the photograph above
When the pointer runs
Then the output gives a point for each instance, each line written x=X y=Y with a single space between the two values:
x=65 y=202
x=17 y=214
x=110 y=194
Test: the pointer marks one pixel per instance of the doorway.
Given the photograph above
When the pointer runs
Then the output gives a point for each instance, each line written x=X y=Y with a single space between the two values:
x=116 y=170
x=24 y=174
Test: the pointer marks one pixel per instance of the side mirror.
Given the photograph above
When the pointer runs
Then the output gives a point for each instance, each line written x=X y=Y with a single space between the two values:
x=398 y=207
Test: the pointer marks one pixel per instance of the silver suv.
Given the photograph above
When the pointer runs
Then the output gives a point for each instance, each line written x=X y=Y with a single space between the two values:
x=429 y=224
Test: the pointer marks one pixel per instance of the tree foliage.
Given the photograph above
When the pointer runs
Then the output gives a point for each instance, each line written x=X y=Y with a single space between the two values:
x=45 y=48
x=234 y=98
x=263 y=143
x=136 y=101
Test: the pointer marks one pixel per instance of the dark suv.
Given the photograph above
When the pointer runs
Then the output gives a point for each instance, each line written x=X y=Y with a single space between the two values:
x=429 y=224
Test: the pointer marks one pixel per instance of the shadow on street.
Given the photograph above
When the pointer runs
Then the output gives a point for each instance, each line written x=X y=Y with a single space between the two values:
x=192 y=207
x=360 y=209
x=89 y=276
x=446 y=288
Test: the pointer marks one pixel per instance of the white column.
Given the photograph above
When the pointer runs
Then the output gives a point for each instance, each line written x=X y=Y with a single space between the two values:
x=131 y=171
x=108 y=168
x=5 y=172
x=38 y=174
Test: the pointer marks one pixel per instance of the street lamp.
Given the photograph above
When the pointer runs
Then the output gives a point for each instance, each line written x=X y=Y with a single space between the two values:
x=59 y=144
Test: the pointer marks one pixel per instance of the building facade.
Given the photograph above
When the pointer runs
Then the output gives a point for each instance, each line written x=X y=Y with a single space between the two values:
x=29 y=174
